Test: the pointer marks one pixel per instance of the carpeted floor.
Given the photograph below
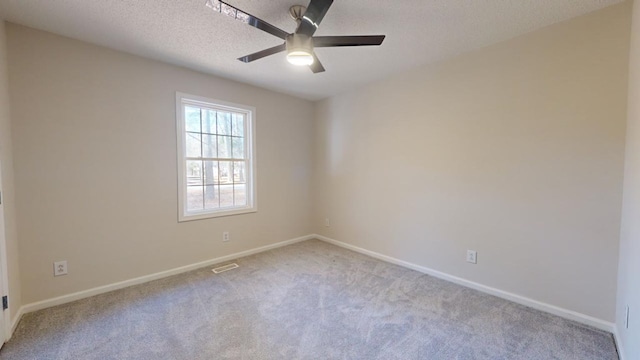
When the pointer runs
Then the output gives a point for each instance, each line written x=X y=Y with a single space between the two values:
x=309 y=300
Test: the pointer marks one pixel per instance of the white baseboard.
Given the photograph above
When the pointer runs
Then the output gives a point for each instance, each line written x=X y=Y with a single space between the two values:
x=14 y=322
x=619 y=347
x=555 y=310
x=143 y=279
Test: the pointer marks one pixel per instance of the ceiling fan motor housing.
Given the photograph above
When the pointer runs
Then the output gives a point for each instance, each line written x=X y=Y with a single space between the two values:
x=299 y=43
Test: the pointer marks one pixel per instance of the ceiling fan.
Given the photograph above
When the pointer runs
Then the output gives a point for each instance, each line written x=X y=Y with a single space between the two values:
x=299 y=44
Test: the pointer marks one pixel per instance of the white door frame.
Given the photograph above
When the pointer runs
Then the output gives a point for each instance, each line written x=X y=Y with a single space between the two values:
x=5 y=321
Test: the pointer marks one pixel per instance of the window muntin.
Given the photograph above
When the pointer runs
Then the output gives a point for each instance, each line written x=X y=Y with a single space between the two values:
x=216 y=158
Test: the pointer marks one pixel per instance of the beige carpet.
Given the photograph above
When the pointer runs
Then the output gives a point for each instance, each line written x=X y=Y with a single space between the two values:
x=310 y=300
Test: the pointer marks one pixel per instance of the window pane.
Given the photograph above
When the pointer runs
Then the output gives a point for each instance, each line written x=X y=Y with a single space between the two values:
x=226 y=195
x=237 y=145
x=194 y=198
x=225 y=172
x=192 y=119
x=224 y=147
x=208 y=121
x=240 y=194
x=210 y=172
x=224 y=123
x=209 y=146
x=237 y=125
x=211 y=197
x=193 y=144
x=239 y=174
x=194 y=172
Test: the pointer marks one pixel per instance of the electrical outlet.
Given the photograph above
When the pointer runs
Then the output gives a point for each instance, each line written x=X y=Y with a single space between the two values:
x=326 y=222
x=626 y=318
x=226 y=236
x=60 y=268
x=472 y=257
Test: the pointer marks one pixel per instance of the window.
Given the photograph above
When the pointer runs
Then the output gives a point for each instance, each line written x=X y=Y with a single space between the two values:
x=215 y=158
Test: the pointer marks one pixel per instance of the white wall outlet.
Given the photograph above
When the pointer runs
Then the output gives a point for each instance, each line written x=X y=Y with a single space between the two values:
x=226 y=236
x=472 y=257
x=626 y=318
x=326 y=222
x=60 y=268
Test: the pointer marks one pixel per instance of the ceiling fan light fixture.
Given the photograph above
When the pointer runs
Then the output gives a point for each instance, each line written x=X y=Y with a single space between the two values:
x=300 y=58
x=299 y=50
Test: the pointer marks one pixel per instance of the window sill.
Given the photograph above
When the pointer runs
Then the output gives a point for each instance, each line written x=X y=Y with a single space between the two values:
x=209 y=215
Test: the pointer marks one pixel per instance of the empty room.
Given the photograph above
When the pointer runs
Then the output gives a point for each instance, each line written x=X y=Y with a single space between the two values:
x=318 y=179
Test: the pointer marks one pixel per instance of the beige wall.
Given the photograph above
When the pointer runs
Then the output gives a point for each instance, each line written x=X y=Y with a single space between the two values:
x=8 y=189
x=515 y=151
x=629 y=270
x=95 y=165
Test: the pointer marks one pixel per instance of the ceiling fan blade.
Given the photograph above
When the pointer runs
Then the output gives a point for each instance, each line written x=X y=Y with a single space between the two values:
x=263 y=53
x=232 y=11
x=366 y=40
x=316 y=67
x=313 y=16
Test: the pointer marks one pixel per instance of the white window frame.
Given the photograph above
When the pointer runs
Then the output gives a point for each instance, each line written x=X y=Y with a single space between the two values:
x=249 y=112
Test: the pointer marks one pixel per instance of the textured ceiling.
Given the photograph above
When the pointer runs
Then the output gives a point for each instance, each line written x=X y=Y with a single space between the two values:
x=187 y=33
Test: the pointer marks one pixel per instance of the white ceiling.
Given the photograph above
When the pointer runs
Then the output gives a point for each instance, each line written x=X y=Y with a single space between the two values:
x=187 y=33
